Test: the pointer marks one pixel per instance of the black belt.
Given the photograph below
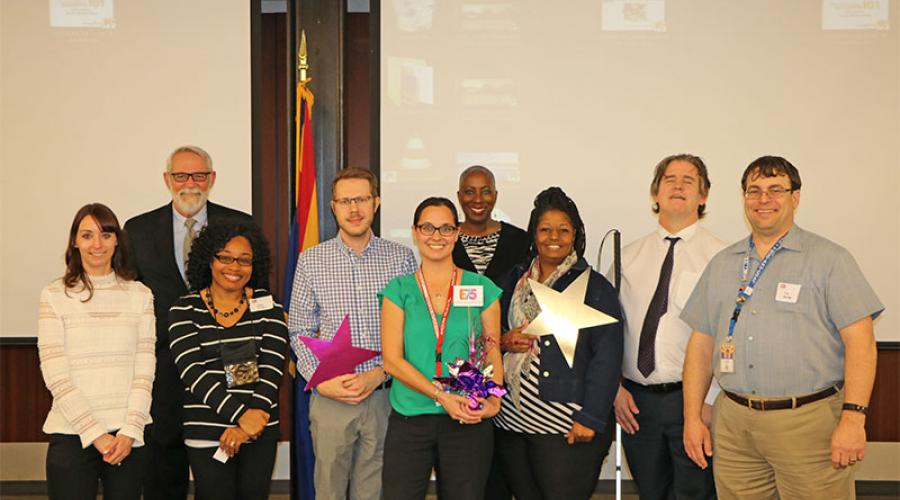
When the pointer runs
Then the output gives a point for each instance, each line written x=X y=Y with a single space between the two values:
x=782 y=404
x=385 y=385
x=667 y=387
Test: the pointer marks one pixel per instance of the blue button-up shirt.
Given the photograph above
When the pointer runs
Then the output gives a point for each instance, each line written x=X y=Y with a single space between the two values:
x=783 y=347
x=332 y=281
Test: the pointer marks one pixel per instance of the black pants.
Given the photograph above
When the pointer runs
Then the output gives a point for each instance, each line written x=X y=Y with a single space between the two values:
x=659 y=465
x=246 y=476
x=496 y=488
x=414 y=445
x=167 y=473
x=73 y=472
x=545 y=467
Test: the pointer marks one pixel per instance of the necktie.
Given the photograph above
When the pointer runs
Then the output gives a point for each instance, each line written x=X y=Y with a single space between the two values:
x=189 y=237
x=646 y=361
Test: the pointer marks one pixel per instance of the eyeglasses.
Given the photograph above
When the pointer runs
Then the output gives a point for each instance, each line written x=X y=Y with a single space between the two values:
x=184 y=176
x=359 y=200
x=428 y=229
x=244 y=260
x=755 y=193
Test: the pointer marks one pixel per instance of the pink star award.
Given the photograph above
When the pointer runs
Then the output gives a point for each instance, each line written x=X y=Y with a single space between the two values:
x=336 y=356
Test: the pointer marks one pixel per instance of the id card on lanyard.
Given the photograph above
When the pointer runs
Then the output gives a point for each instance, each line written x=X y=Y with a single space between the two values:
x=439 y=329
x=727 y=348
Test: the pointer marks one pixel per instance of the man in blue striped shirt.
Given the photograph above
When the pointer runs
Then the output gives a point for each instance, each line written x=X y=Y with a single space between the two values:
x=342 y=276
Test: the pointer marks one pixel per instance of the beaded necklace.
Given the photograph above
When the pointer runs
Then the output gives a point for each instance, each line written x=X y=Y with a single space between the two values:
x=216 y=312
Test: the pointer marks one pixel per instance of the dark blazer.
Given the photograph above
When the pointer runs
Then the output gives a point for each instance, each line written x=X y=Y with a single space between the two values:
x=593 y=379
x=512 y=248
x=150 y=237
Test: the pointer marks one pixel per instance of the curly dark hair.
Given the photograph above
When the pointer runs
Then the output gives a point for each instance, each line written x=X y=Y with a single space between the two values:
x=108 y=223
x=213 y=239
x=554 y=198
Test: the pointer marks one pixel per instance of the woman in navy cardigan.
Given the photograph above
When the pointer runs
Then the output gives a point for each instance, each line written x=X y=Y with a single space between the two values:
x=552 y=427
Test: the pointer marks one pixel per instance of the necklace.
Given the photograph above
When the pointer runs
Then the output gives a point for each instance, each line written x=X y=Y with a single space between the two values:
x=216 y=312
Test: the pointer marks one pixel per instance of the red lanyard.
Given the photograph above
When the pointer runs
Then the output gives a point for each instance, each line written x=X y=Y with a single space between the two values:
x=438 y=330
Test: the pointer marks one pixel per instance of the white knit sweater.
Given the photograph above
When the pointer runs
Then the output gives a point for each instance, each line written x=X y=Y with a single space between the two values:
x=98 y=358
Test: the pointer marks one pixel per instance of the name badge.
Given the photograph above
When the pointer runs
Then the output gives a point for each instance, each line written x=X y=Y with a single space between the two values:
x=220 y=455
x=787 y=292
x=261 y=303
x=468 y=295
x=726 y=356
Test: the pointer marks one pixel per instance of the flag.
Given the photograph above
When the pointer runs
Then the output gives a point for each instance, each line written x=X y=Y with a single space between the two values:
x=304 y=234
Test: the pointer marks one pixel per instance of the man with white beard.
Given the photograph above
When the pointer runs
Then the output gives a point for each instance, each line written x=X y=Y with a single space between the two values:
x=160 y=243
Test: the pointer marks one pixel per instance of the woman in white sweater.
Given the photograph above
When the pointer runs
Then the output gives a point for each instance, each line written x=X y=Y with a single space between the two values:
x=96 y=340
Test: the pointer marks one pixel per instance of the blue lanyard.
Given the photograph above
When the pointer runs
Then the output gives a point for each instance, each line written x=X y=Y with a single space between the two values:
x=745 y=292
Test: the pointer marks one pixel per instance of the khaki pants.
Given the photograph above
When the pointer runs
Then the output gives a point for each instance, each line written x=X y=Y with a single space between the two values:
x=778 y=454
x=348 y=442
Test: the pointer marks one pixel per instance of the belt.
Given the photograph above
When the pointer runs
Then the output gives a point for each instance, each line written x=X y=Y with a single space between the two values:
x=385 y=385
x=666 y=387
x=782 y=404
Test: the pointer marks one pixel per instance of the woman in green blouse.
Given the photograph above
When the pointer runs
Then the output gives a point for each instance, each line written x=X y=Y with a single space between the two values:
x=422 y=333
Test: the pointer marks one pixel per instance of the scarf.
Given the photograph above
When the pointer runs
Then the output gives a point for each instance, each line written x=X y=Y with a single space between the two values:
x=523 y=309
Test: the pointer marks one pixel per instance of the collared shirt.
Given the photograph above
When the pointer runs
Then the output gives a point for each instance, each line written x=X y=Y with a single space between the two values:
x=180 y=231
x=332 y=281
x=786 y=344
x=641 y=263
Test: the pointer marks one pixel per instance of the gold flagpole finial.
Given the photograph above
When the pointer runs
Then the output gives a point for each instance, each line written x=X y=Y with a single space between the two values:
x=302 y=59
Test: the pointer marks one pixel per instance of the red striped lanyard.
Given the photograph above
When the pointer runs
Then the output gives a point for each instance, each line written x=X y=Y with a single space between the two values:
x=438 y=330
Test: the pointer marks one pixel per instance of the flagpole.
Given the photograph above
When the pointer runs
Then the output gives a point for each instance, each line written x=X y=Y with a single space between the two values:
x=303 y=235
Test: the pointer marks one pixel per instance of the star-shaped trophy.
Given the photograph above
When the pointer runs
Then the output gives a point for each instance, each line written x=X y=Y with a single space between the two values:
x=337 y=356
x=564 y=313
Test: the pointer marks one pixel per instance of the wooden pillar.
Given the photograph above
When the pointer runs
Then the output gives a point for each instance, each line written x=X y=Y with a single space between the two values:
x=323 y=22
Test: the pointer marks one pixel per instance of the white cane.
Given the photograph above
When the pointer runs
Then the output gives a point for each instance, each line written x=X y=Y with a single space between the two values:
x=618 y=461
x=617 y=269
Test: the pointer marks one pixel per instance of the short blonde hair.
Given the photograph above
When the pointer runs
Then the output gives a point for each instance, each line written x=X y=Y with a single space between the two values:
x=355 y=173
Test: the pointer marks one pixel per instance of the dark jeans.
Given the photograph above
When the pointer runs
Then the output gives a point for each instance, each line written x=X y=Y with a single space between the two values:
x=245 y=476
x=73 y=472
x=545 y=467
x=461 y=453
x=659 y=465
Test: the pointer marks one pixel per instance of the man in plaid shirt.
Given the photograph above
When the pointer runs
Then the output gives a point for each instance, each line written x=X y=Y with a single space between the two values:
x=342 y=276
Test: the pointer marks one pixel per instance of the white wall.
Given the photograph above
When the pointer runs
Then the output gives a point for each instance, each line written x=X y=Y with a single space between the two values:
x=90 y=114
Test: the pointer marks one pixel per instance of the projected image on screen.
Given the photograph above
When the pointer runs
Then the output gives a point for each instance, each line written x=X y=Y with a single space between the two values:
x=82 y=14
x=589 y=95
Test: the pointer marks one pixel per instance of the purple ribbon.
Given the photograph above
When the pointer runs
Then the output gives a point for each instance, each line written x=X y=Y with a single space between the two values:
x=469 y=380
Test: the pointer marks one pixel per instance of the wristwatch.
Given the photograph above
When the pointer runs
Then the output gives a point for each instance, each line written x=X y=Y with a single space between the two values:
x=855 y=407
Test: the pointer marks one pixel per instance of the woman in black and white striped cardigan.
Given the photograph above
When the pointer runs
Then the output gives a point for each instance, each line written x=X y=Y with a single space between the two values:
x=230 y=429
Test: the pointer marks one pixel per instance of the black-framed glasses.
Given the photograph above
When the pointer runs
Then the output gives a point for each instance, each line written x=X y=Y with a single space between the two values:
x=428 y=229
x=184 y=176
x=755 y=193
x=359 y=200
x=244 y=260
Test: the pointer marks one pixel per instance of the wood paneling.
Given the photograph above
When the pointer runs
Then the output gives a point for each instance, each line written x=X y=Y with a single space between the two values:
x=357 y=90
x=24 y=399
x=324 y=26
x=271 y=203
x=883 y=422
